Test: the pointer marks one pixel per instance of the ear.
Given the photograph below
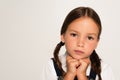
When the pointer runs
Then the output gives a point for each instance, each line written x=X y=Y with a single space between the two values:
x=62 y=38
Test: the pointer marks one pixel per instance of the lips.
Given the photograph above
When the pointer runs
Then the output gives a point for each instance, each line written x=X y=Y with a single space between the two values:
x=78 y=52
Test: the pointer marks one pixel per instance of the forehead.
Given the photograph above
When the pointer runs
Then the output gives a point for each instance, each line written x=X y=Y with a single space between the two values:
x=84 y=24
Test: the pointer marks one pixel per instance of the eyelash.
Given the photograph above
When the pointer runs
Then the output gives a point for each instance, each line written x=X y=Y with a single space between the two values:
x=73 y=34
x=90 y=38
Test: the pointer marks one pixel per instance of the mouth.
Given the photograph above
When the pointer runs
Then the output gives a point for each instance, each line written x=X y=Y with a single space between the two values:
x=78 y=52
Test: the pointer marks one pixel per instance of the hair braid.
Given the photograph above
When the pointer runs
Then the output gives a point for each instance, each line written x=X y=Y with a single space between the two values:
x=56 y=57
x=96 y=63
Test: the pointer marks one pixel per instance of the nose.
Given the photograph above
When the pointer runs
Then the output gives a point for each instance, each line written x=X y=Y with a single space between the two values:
x=81 y=42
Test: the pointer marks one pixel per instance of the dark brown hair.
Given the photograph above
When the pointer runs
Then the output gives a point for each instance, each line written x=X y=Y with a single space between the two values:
x=73 y=15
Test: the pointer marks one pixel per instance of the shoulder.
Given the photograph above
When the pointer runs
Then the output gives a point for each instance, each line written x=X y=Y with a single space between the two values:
x=48 y=71
x=50 y=67
x=106 y=71
x=105 y=66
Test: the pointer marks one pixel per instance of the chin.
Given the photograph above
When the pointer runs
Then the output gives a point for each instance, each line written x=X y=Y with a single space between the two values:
x=78 y=57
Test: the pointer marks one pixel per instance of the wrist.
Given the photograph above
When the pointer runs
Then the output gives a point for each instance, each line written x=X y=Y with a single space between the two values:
x=69 y=76
x=82 y=77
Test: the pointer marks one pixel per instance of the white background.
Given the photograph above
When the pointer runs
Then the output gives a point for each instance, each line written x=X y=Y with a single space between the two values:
x=30 y=30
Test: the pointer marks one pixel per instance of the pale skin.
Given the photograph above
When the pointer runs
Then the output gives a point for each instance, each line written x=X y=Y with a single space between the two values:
x=80 y=39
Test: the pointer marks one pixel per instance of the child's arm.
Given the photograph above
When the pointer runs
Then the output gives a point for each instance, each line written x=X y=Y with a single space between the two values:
x=81 y=70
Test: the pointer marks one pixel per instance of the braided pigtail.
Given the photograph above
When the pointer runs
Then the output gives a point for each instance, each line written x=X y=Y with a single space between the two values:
x=96 y=64
x=56 y=57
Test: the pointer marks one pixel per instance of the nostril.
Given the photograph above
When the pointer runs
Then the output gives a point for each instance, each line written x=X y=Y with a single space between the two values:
x=81 y=44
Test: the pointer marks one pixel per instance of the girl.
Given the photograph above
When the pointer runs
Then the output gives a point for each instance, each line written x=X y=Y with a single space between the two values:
x=80 y=33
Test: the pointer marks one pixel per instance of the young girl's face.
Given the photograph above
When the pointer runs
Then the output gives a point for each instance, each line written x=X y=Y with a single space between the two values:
x=81 y=38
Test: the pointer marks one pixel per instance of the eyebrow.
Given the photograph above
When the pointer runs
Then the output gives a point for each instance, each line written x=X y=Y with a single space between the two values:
x=73 y=30
x=92 y=34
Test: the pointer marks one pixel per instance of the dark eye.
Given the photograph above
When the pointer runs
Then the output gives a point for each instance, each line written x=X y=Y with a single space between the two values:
x=90 y=38
x=73 y=34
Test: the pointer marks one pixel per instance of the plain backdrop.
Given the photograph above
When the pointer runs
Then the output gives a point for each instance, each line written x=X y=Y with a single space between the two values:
x=30 y=30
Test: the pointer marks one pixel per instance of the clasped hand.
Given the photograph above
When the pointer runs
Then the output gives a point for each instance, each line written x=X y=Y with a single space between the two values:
x=76 y=68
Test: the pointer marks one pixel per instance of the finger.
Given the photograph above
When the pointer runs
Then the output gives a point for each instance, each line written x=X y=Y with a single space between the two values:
x=69 y=57
x=86 y=60
x=77 y=64
x=71 y=61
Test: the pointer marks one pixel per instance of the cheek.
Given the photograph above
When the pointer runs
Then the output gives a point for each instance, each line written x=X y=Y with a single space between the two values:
x=89 y=49
x=69 y=41
x=70 y=44
x=92 y=46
